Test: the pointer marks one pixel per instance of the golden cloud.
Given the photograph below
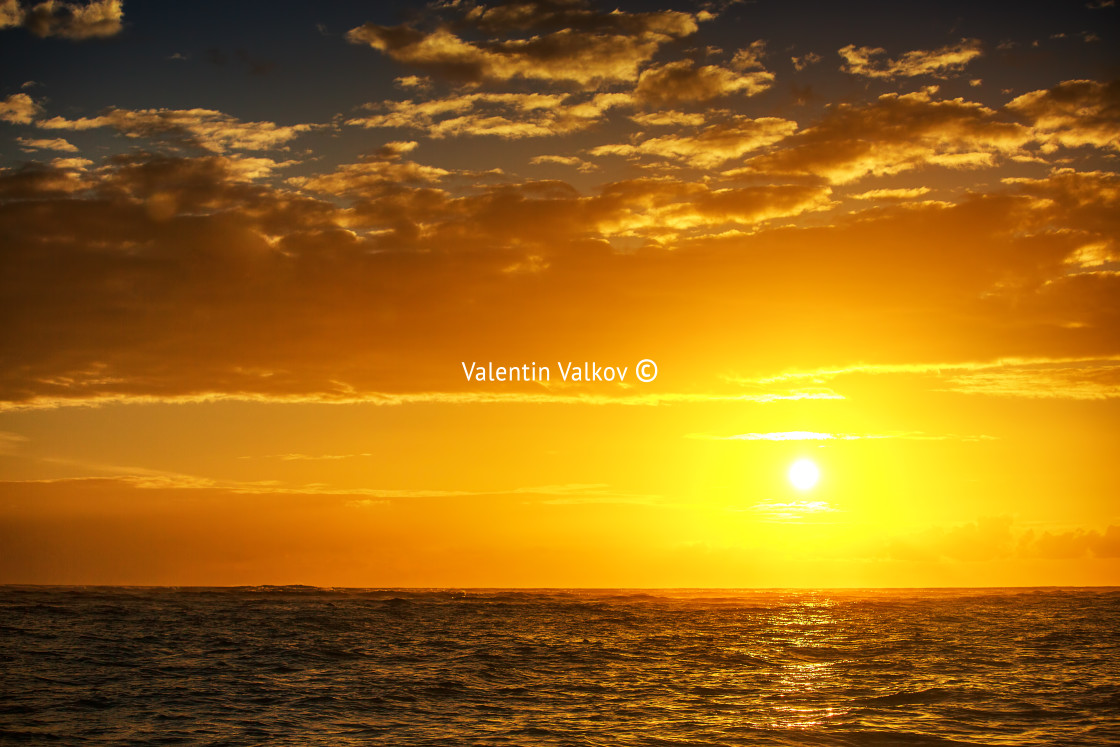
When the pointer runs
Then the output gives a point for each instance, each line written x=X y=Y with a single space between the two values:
x=892 y=194
x=669 y=118
x=1060 y=378
x=710 y=147
x=19 y=108
x=59 y=144
x=605 y=47
x=504 y=115
x=991 y=538
x=750 y=57
x=203 y=128
x=819 y=436
x=1074 y=113
x=173 y=278
x=368 y=175
x=805 y=60
x=895 y=133
x=681 y=81
x=868 y=62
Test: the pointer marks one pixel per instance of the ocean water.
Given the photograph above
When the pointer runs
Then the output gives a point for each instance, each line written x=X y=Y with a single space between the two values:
x=298 y=665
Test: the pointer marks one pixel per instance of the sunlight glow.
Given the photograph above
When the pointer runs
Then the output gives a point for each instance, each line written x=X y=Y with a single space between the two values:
x=803 y=474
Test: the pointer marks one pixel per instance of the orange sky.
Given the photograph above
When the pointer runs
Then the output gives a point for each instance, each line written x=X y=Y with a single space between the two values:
x=242 y=274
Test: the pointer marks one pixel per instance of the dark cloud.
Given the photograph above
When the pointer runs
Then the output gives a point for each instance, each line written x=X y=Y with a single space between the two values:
x=152 y=276
x=96 y=18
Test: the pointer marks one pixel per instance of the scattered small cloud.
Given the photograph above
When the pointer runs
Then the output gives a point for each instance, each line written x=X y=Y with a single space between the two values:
x=750 y=58
x=575 y=161
x=793 y=511
x=19 y=108
x=805 y=60
x=417 y=82
x=892 y=194
x=59 y=144
x=870 y=62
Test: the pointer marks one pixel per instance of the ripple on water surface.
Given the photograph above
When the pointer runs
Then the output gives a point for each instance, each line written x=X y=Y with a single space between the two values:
x=301 y=665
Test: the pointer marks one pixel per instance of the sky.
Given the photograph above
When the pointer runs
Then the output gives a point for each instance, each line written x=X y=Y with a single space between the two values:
x=265 y=270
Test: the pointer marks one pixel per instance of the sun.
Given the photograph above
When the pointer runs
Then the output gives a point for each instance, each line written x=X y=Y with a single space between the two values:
x=803 y=474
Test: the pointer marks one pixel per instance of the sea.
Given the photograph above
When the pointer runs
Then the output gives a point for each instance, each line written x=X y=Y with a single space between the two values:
x=294 y=665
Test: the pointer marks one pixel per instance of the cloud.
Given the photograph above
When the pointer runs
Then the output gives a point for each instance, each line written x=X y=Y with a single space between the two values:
x=1074 y=113
x=994 y=538
x=329 y=396
x=157 y=278
x=818 y=436
x=868 y=62
x=891 y=194
x=986 y=539
x=76 y=21
x=59 y=144
x=1086 y=381
x=19 y=108
x=575 y=161
x=793 y=511
x=11 y=14
x=418 y=82
x=805 y=60
x=547 y=15
x=164 y=270
x=669 y=118
x=143 y=479
x=895 y=133
x=710 y=147
x=595 y=48
x=369 y=175
x=1072 y=543
x=744 y=206
x=681 y=81
x=36 y=181
x=1086 y=201
x=11 y=442
x=750 y=57
x=202 y=128
x=78 y=164
x=295 y=457
x=1072 y=378
x=503 y=115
